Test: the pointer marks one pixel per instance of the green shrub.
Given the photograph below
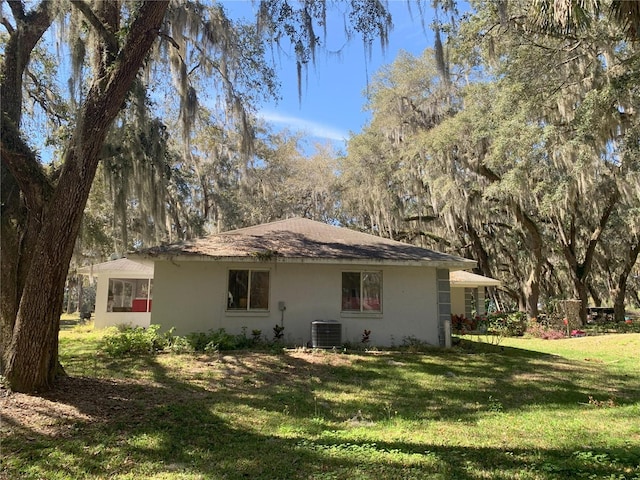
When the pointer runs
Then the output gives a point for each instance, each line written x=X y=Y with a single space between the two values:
x=217 y=340
x=134 y=341
x=507 y=324
x=179 y=344
x=413 y=344
x=628 y=326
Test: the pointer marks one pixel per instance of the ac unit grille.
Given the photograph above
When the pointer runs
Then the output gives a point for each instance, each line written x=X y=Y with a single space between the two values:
x=326 y=334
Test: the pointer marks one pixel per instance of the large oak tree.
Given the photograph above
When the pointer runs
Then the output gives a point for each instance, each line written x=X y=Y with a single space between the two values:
x=51 y=208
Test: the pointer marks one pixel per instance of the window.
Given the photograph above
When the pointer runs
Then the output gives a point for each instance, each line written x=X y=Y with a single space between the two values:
x=361 y=291
x=129 y=295
x=248 y=290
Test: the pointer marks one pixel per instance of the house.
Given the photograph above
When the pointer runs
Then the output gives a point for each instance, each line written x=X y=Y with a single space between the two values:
x=123 y=292
x=324 y=284
x=468 y=292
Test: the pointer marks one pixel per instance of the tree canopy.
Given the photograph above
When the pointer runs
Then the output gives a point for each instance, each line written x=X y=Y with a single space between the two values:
x=521 y=151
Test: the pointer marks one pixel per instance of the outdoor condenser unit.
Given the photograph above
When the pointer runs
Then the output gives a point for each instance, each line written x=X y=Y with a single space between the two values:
x=326 y=334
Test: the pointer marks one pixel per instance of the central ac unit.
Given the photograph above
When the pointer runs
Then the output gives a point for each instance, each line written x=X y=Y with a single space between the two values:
x=326 y=334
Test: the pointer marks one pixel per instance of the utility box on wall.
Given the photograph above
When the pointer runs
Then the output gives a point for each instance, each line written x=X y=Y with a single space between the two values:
x=326 y=334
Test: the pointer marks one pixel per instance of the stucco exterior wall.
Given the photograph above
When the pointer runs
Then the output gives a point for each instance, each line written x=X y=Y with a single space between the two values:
x=192 y=296
x=457 y=300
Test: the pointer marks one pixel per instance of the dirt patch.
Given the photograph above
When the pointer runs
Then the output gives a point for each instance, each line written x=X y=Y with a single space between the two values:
x=81 y=400
x=41 y=415
x=78 y=400
x=323 y=358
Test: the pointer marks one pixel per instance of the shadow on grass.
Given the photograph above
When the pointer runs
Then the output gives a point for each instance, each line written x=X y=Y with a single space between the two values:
x=148 y=418
x=68 y=324
x=460 y=386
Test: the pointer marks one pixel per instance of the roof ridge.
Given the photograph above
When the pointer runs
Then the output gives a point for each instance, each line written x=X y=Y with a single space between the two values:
x=261 y=225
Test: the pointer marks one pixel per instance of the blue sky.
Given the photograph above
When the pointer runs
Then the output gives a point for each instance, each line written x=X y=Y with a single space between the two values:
x=332 y=91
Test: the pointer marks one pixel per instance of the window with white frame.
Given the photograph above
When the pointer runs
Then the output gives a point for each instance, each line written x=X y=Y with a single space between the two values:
x=362 y=291
x=248 y=290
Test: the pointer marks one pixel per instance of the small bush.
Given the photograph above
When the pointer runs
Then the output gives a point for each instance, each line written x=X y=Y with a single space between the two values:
x=180 y=345
x=462 y=325
x=413 y=344
x=278 y=333
x=366 y=336
x=134 y=341
x=217 y=340
x=507 y=324
x=256 y=336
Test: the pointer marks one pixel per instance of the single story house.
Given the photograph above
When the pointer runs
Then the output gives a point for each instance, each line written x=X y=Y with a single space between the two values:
x=324 y=284
x=468 y=292
x=124 y=292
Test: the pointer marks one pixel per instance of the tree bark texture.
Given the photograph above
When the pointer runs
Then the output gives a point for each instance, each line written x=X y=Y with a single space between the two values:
x=22 y=203
x=620 y=290
x=531 y=288
x=31 y=361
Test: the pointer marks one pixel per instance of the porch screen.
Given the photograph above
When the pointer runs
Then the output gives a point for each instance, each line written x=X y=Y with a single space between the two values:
x=129 y=295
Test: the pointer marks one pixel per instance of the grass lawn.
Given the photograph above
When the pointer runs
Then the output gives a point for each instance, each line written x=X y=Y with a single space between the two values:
x=526 y=409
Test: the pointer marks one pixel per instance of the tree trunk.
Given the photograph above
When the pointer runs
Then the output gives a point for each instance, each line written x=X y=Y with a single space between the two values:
x=69 y=302
x=619 y=293
x=597 y=301
x=531 y=292
x=531 y=288
x=479 y=252
x=21 y=205
x=580 y=270
x=582 y=294
x=31 y=363
x=8 y=272
x=80 y=291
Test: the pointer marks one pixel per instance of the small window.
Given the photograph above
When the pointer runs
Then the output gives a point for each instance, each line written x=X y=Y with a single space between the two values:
x=248 y=290
x=129 y=295
x=361 y=291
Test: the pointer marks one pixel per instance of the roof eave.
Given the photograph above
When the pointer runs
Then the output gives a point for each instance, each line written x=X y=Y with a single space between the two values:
x=476 y=284
x=449 y=264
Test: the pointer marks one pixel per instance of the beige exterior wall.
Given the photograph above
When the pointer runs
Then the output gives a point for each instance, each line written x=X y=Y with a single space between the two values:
x=103 y=318
x=457 y=300
x=192 y=296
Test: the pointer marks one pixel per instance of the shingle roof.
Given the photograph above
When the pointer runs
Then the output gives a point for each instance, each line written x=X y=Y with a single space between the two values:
x=468 y=279
x=120 y=265
x=301 y=239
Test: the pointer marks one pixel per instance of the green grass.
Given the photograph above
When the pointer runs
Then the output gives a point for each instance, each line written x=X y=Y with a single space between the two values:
x=526 y=409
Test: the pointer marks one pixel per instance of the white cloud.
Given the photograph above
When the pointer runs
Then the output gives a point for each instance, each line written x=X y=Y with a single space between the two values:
x=312 y=128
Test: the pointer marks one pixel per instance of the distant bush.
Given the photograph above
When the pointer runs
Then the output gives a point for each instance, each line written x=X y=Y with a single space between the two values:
x=507 y=324
x=539 y=330
x=498 y=324
x=628 y=326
